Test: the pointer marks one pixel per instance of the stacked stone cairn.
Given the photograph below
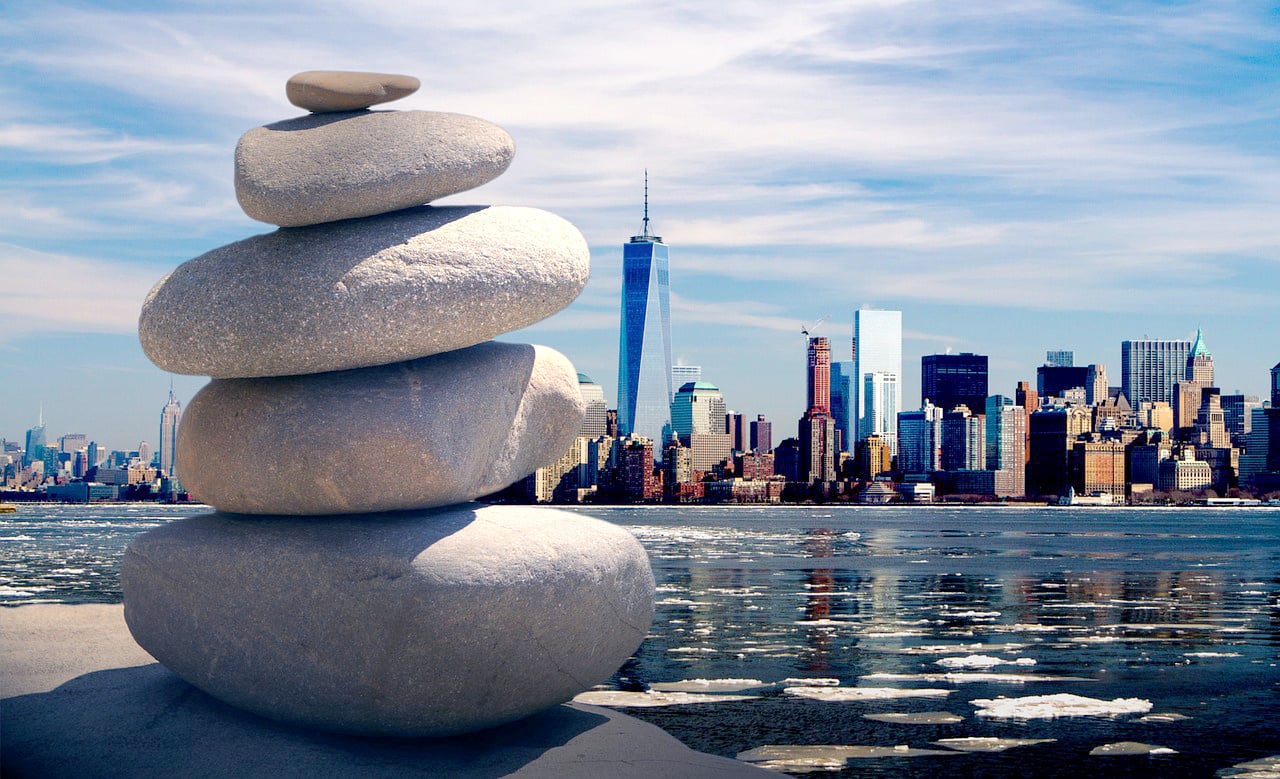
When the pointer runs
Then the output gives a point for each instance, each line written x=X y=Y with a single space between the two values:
x=357 y=406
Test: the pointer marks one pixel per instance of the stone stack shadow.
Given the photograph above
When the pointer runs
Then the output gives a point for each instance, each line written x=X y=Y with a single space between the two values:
x=356 y=406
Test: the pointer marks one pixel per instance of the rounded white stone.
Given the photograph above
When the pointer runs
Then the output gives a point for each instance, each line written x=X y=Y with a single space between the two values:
x=346 y=90
x=428 y=432
x=411 y=624
x=364 y=292
x=324 y=167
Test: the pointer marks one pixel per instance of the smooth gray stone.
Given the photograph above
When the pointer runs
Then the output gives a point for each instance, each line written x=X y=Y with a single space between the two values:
x=360 y=293
x=324 y=167
x=71 y=709
x=346 y=90
x=429 y=432
x=411 y=624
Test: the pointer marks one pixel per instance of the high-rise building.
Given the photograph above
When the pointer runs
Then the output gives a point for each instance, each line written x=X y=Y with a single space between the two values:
x=1237 y=413
x=877 y=348
x=950 y=380
x=1200 y=362
x=963 y=440
x=1053 y=434
x=819 y=376
x=880 y=394
x=761 y=435
x=842 y=395
x=920 y=440
x=170 y=416
x=1006 y=445
x=1060 y=358
x=644 y=348
x=72 y=443
x=1150 y=368
x=1028 y=400
x=735 y=425
x=683 y=374
x=698 y=408
x=595 y=422
x=33 y=450
x=1275 y=386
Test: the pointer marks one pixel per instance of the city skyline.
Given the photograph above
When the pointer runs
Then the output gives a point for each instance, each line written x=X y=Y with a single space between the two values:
x=1014 y=180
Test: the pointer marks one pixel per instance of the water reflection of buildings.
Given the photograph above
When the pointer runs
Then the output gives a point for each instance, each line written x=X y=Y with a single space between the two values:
x=820 y=583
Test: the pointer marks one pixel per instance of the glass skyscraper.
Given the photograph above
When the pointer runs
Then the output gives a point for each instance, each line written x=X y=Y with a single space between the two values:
x=877 y=348
x=644 y=339
x=1149 y=369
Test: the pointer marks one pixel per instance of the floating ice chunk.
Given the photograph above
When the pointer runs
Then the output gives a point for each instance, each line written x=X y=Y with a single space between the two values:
x=1265 y=768
x=970 y=614
x=708 y=685
x=1163 y=717
x=820 y=681
x=1058 y=705
x=841 y=694
x=961 y=677
x=1211 y=654
x=694 y=650
x=619 y=699
x=1131 y=748
x=682 y=602
x=824 y=757
x=981 y=661
x=916 y=717
x=988 y=743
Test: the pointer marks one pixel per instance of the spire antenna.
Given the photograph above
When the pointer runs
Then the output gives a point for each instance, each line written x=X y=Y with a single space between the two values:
x=645 y=232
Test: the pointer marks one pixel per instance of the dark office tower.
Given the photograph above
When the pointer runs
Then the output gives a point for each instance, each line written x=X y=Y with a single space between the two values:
x=1200 y=362
x=950 y=380
x=963 y=440
x=644 y=349
x=1149 y=369
x=1237 y=411
x=1053 y=434
x=1275 y=386
x=819 y=398
x=817 y=447
x=761 y=435
x=735 y=425
x=34 y=446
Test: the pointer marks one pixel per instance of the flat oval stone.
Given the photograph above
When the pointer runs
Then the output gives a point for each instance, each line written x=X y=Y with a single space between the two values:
x=346 y=90
x=360 y=293
x=410 y=624
x=429 y=432
x=326 y=167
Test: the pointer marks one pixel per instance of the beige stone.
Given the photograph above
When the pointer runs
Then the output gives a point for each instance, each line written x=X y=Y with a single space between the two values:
x=346 y=90
x=428 y=432
x=363 y=292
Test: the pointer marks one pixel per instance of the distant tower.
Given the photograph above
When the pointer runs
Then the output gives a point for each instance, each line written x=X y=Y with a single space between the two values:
x=819 y=375
x=644 y=340
x=170 y=416
x=950 y=380
x=1149 y=369
x=1200 y=362
x=596 y=421
x=817 y=428
x=877 y=348
x=1060 y=358
x=1275 y=386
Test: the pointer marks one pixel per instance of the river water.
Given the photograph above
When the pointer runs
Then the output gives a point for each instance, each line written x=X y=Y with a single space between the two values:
x=850 y=640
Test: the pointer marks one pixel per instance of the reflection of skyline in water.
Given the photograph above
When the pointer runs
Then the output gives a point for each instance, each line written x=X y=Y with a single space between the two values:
x=1175 y=607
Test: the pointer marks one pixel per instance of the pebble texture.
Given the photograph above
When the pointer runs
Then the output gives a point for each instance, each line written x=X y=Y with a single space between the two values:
x=418 y=624
x=427 y=432
x=346 y=90
x=360 y=293
x=325 y=167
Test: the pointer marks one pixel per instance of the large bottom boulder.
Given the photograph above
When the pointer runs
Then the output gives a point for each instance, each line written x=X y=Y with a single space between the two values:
x=424 y=623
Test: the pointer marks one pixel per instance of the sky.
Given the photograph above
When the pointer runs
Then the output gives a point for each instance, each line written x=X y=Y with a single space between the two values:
x=1014 y=176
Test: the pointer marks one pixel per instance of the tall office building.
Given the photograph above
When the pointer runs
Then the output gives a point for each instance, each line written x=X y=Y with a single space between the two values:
x=1275 y=386
x=877 y=348
x=880 y=394
x=1060 y=358
x=698 y=408
x=1150 y=368
x=170 y=416
x=841 y=403
x=72 y=443
x=644 y=347
x=950 y=380
x=761 y=435
x=1006 y=445
x=1053 y=434
x=595 y=422
x=683 y=374
x=1200 y=362
x=819 y=375
x=920 y=440
x=33 y=451
x=963 y=440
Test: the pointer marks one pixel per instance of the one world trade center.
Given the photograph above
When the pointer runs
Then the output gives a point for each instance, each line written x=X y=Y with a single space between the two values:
x=644 y=342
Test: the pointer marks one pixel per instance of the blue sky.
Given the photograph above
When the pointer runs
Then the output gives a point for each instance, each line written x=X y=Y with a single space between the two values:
x=1013 y=176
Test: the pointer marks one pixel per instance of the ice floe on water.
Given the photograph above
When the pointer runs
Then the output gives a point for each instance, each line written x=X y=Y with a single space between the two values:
x=820 y=681
x=825 y=757
x=916 y=717
x=1211 y=654
x=1058 y=705
x=621 y=699
x=988 y=743
x=1168 y=716
x=962 y=677
x=1122 y=748
x=981 y=661
x=708 y=685
x=842 y=694
x=1265 y=768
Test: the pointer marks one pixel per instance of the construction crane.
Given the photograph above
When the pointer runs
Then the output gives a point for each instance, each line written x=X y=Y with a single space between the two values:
x=806 y=328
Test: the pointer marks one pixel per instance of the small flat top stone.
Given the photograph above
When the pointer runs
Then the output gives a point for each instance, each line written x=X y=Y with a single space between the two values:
x=321 y=91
